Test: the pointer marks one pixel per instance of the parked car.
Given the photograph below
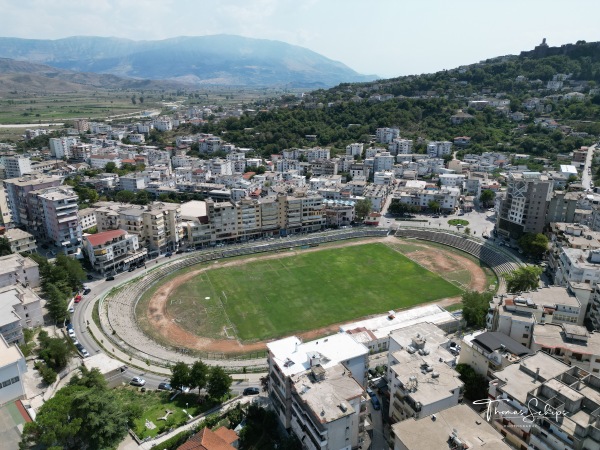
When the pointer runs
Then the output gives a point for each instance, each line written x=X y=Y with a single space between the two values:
x=165 y=387
x=77 y=298
x=376 y=404
x=179 y=252
x=131 y=269
x=71 y=310
x=251 y=391
x=185 y=389
x=71 y=332
x=86 y=291
x=137 y=381
x=110 y=278
x=370 y=392
x=69 y=325
x=85 y=353
x=168 y=254
x=189 y=250
x=79 y=346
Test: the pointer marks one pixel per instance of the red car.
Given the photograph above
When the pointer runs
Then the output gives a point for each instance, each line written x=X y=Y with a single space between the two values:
x=77 y=299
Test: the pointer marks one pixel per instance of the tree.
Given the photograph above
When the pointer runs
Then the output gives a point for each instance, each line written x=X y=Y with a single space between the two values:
x=110 y=167
x=5 y=247
x=219 y=383
x=72 y=271
x=433 y=205
x=180 y=375
x=198 y=375
x=398 y=208
x=55 y=351
x=467 y=230
x=362 y=208
x=487 y=197
x=523 y=279
x=475 y=306
x=125 y=196
x=534 y=244
x=476 y=386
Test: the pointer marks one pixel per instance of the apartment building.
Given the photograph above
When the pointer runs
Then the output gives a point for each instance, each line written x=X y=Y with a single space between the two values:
x=421 y=377
x=523 y=209
x=437 y=149
x=17 y=194
x=12 y=368
x=15 y=269
x=133 y=182
x=20 y=308
x=5 y=212
x=16 y=166
x=87 y=218
x=355 y=149
x=401 y=147
x=162 y=123
x=517 y=316
x=558 y=404
x=20 y=241
x=383 y=162
x=157 y=225
x=290 y=360
x=458 y=428
x=113 y=251
x=489 y=351
x=387 y=135
x=338 y=213
x=447 y=198
x=54 y=217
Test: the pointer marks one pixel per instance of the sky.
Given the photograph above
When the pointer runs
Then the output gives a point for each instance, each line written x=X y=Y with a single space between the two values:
x=387 y=38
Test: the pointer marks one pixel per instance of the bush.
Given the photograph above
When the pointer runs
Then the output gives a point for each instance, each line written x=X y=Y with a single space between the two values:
x=48 y=375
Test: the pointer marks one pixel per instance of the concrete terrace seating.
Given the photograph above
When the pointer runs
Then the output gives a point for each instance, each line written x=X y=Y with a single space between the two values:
x=500 y=262
x=117 y=310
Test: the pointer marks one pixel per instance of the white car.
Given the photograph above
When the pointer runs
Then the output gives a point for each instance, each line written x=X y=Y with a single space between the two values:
x=72 y=309
x=137 y=381
x=85 y=353
x=71 y=333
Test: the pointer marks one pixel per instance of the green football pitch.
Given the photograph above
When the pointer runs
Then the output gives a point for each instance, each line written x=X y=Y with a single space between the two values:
x=277 y=297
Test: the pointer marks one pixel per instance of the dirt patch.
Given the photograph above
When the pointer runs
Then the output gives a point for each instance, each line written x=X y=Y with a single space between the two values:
x=165 y=325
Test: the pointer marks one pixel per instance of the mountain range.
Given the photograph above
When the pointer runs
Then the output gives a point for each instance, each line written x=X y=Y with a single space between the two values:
x=193 y=60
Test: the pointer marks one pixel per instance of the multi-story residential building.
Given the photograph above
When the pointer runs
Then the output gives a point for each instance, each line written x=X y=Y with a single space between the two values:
x=17 y=193
x=100 y=161
x=54 y=217
x=15 y=269
x=573 y=344
x=210 y=144
x=447 y=198
x=20 y=308
x=328 y=408
x=377 y=194
x=383 y=162
x=458 y=428
x=12 y=368
x=113 y=251
x=5 y=212
x=82 y=152
x=576 y=265
x=516 y=316
x=319 y=167
x=489 y=351
x=20 y=241
x=421 y=378
x=355 y=149
x=557 y=404
x=387 y=135
x=157 y=225
x=401 y=147
x=452 y=179
x=437 y=149
x=61 y=147
x=289 y=358
x=338 y=213
x=87 y=218
x=16 y=166
x=523 y=209
x=162 y=124
x=133 y=182
x=220 y=166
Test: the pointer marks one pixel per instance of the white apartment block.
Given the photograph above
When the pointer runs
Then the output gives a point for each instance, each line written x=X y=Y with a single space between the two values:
x=387 y=135
x=421 y=376
x=15 y=269
x=133 y=182
x=436 y=149
x=210 y=144
x=17 y=193
x=5 y=212
x=162 y=124
x=20 y=241
x=100 y=128
x=20 y=308
x=12 y=368
x=383 y=162
x=309 y=153
x=87 y=218
x=290 y=358
x=401 y=147
x=355 y=149
x=16 y=166
x=113 y=251
x=447 y=198
x=100 y=161
x=452 y=180
x=221 y=167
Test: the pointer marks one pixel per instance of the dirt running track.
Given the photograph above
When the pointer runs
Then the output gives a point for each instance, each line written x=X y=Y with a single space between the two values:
x=165 y=325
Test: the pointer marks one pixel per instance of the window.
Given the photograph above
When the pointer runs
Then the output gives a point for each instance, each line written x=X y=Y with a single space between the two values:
x=525 y=336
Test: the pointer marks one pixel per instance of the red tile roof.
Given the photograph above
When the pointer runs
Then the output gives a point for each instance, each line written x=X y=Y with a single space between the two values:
x=104 y=237
x=205 y=439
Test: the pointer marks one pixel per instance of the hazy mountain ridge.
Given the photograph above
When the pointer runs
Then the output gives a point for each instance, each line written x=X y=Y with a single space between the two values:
x=219 y=59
